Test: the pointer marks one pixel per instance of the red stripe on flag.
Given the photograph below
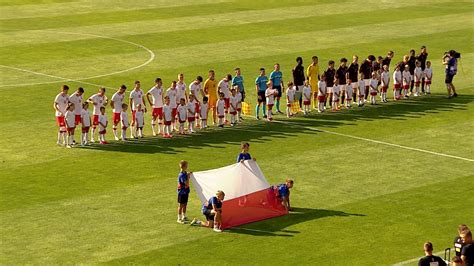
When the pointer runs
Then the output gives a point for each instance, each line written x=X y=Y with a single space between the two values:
x=250 y=208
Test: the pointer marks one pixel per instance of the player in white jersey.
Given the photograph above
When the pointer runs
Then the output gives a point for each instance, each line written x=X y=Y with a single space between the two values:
x=203 y=111
x=124 y=121
x=139 y=121
x=418 y=75
x=102 y=125
x=181 y=89
x=195 y=88
x=270 y=94
x=290 y=98
x=397 y=83
x=406 y=76
x=116 y=103
x=349 y=90
x=70 y=124
x=76 y=99
x=361 y=86
x=167 y=117
x=221 y=109
x=86 y=123
x=321 y=93
x=136 y=98
x=191 y=107
x=374 y=84
x=428 y=77
x=98 y=100
x=336 y=91
x=172 y=95
x=306 y=98
x=224 y=87
x=385 y=82
x=233 y=102
x=60 y=107
x=182 y=111
x=156 y=93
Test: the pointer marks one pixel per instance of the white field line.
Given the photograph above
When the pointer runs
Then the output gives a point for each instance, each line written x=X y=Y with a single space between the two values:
x=415 y=259
x=150 y=59
x=375 y=141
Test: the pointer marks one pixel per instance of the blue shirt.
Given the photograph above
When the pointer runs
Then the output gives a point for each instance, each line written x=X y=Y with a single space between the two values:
x=212 y=201
x=182 y=180
x=451 y=68
x=239 y=81
x=261 y=82
x=283 y=190
x=243 y=156
x=276 y=77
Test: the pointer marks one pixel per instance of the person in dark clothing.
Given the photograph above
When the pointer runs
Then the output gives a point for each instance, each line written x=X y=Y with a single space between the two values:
x=352 y=75
x=298 y=80
x=458 y=240
x=412 y=66
x=330 y=74
x=429 y=259
x=341 y=76
x=467 y=252
x=422 y=57
x=451 y=64
x=366 y=70
x=387 y=59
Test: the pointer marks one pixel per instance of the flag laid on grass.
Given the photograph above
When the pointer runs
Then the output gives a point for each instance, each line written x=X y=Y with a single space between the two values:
x=248 y=196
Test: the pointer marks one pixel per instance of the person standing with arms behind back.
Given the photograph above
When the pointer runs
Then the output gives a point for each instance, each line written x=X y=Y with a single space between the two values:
x=298 y=80
x=430 y=259
x=210 y=90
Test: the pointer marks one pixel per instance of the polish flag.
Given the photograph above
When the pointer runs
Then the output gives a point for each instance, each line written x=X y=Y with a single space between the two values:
x=248 y=196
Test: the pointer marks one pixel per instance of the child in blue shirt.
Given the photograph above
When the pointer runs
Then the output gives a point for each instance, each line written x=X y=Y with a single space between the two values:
x=244 y=155
x=183 y=191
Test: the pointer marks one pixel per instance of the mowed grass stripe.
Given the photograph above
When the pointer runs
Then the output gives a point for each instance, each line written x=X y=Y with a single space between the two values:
x=202 y=21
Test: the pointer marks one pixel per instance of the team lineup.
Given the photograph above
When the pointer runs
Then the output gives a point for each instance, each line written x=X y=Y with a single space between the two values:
x=174 y=107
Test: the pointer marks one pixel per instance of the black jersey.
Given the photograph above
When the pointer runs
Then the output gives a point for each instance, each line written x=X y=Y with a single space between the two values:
x=341 y=74
x=330 y=73
x=353 y=70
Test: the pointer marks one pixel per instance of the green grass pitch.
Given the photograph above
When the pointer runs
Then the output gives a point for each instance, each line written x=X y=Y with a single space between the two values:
x=357 y=199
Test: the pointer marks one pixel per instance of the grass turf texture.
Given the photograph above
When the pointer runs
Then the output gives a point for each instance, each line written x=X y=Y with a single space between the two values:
x=355 y=202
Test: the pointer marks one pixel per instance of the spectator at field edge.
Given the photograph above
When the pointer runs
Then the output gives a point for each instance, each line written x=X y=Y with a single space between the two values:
x=458 y=240
x=467 y=253
x=430 y=259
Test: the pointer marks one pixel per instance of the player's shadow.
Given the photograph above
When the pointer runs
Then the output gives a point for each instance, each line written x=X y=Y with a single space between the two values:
x=277 y=226
x=259 y=131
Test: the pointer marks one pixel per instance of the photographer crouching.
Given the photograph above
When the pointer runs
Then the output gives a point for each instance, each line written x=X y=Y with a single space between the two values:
x=450 y=60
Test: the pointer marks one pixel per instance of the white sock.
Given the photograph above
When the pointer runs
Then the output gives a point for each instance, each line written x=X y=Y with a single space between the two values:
x=59 y=136
x=179 y=217
x=124 y=134
x=153 y=127
x=131 y=132
x=184 y=215
x=160 y=127
x=92 y=135
x=115 y=132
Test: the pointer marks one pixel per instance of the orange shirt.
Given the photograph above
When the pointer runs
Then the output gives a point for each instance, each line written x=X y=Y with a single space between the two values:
x=210 y=89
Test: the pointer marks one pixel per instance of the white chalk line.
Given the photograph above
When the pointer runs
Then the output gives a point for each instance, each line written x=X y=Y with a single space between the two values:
x=150 y=59
x=375 y=141
x=415 y=259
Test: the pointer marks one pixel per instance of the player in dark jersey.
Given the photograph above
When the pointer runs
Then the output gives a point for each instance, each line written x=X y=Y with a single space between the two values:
x=388 y=59
x=429 y=259
x=183 y=192
x=412 y=66
x=353 y=76
x=330 y=73
x=422 y=57
x=341 y=74
x=366 y=70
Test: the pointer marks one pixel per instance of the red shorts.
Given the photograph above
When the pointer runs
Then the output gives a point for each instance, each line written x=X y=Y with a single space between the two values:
x=227 y=102
x=396 y=86
x=133 y=115
x=321 y=98
x=158 y=112
x=95 y=120
x=191 y=119
x=103 y=132
x=233 y=112
x=77 y=119
x=116 y=118
x=197 y=108
x=427 y=81
x=174 y=112
x=373 y=93
x=167 y=123
x=85 y=130
x=182 y=121
x=384 y=88
x=270 y=106
x=60 y=121
x=70 y=129
x=405 y=87
x=221 y=116
x=306 y=102
x=417 y=83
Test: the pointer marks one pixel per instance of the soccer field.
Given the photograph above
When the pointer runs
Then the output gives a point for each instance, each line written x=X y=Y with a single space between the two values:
x=372 y=184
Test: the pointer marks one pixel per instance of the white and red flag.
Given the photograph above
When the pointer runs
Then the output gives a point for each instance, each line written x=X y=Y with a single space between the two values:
x=248 y=196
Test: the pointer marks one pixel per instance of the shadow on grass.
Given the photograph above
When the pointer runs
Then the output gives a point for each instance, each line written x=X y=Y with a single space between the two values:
x=260 y=131
x=276 y=226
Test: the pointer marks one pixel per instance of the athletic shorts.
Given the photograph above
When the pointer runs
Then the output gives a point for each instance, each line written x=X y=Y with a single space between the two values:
x=220 y=116
x=116 y=118
x=233 y=112
x=342 y=87
x=85 y=130
x=417 y=83
x=157 y=112
x=95 y=120
x=384 y=88
x=278 y=88
x=406 y=86
x=70 y=129
x=328 y=89
x=261 y=96
x=103 y=132
x=183 y=198
x=428 y=81
x=226 y=102
x=396 y=86
x=77 y=119
x=355 y=85
x=191 y=119
x=174 y=112
x=182 y=121
x=167 y=123
x=212 y=103
x=306 y=102
x=448 y=79
x=208 y=214
x=321 y=98
x=373 y=93
x=60 y=121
